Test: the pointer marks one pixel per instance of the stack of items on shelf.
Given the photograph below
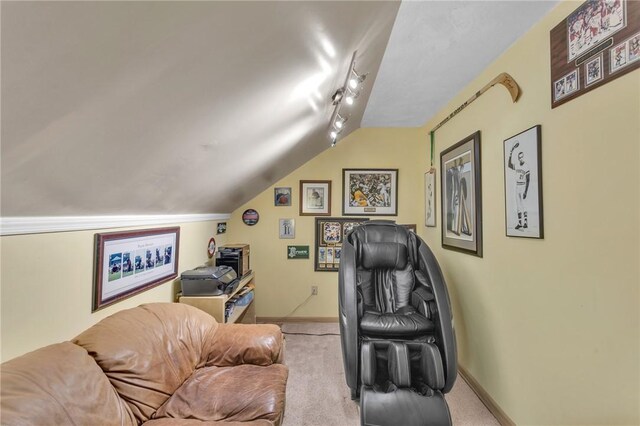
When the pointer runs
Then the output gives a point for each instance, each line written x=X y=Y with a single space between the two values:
x=242 y=298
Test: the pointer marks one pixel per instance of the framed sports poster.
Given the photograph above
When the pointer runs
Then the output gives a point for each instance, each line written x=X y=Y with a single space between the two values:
x=370 y=192
x=130 y=262
x=461 y=196
x=523 y=184
x=598 y=42
x=330 y=235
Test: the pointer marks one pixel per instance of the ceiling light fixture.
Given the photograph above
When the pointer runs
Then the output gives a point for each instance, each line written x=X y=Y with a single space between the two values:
x=347 y=93
x=339 y=122
x=356 y=79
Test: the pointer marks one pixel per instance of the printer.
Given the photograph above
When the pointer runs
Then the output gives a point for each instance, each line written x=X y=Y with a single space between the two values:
x=236 y=256
x=209 y=281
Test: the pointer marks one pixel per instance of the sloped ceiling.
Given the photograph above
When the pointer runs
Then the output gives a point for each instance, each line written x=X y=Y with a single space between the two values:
x=196 y=107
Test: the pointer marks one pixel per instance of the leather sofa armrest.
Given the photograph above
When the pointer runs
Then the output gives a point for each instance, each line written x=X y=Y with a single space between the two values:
x=234 y=344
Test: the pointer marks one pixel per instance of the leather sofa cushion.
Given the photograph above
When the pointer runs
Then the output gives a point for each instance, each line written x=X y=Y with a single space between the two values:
x=149 y=351
x=241 y=393
x=59 y=385
x=259 y=344
x=405 y=322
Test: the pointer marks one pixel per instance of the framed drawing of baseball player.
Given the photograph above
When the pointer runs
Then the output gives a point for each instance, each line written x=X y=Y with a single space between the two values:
x=523 y=184
x=461 y=196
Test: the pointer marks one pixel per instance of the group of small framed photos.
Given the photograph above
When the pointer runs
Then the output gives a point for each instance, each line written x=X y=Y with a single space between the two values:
x=620 y=56
x=597 y=43
x=364 y=191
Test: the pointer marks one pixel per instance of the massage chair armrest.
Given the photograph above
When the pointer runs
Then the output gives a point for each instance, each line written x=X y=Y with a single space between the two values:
x=235 y=344
x=422 y=299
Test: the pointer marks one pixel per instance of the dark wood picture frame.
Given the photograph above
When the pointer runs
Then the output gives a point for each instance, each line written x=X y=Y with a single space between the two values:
x=461 y=206
x=309 y=205
x=575 y=45
x=130 y=262
x=330 y=235
x=523 y=184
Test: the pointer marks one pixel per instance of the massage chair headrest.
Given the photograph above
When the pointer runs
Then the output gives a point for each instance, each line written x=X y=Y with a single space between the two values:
x=383 y=256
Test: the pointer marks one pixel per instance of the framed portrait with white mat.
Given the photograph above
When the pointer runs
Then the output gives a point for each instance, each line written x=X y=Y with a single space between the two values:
x=523 y=184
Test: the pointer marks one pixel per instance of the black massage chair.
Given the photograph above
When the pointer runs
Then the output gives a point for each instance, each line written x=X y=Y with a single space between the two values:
x=396 y=327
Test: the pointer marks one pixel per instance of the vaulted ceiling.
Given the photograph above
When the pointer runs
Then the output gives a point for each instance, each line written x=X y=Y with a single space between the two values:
x=196 y=107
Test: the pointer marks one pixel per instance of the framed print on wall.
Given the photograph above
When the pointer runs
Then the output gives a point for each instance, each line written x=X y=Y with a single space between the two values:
x=370 y=192
x=315 y=197
x=282 y=196
x=461 y=196
x=430 y=198
x=287 y=228
x=330 y=235
x=131 y=262
x=523 y=184
x=596 y=43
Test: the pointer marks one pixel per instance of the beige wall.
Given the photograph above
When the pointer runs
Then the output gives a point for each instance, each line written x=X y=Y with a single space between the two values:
x=47 y=282
x=549 y=328
x=281 y=284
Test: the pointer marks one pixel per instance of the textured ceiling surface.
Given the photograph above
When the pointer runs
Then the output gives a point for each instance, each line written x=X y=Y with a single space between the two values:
x=196 y=107
x=436 y=48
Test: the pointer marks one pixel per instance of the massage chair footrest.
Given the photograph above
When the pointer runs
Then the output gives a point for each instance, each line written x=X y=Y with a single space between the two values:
x=402 y=384
x=402 y=407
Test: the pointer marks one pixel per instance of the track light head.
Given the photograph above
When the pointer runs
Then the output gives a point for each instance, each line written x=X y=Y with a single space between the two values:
x=339 y=122
x=356 y=79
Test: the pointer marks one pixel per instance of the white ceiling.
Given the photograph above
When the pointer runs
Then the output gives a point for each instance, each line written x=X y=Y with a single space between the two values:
x=196 y=107
x=438 y=47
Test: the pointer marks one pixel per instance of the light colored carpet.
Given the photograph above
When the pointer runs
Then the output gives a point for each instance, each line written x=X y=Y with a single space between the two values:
x=317 y=393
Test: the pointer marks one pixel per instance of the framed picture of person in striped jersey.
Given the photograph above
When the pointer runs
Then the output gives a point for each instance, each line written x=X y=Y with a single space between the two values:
x=523 y=184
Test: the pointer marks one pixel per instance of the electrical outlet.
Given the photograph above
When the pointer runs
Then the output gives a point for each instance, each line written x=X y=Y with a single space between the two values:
x=314 y=290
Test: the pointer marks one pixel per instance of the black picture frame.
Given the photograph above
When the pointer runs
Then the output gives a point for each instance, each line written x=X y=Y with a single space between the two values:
x=523 y=184
x=461 y=189
x=330 y=235
x=130 y=262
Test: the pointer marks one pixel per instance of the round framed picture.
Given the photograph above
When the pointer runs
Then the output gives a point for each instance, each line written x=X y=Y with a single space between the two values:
x=250 y=217
x=211 y=247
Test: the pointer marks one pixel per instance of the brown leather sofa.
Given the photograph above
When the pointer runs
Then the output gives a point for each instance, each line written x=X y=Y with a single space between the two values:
x=159 y=364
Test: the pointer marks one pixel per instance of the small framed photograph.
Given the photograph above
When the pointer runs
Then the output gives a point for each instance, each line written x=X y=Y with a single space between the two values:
x=572 y=82
x=131 y=262
x=523 y=184
x=287 y=228
x=221 y=228
x=593 y=71
x=430 y=198
x=282 y=196
x=315 y=197
x=461 y=196
x=618 y=56
x=633 y=48
x=370 y=191
x=559 y=90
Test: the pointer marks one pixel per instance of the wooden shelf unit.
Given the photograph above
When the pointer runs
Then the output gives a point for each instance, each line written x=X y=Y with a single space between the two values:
x=215 y=305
